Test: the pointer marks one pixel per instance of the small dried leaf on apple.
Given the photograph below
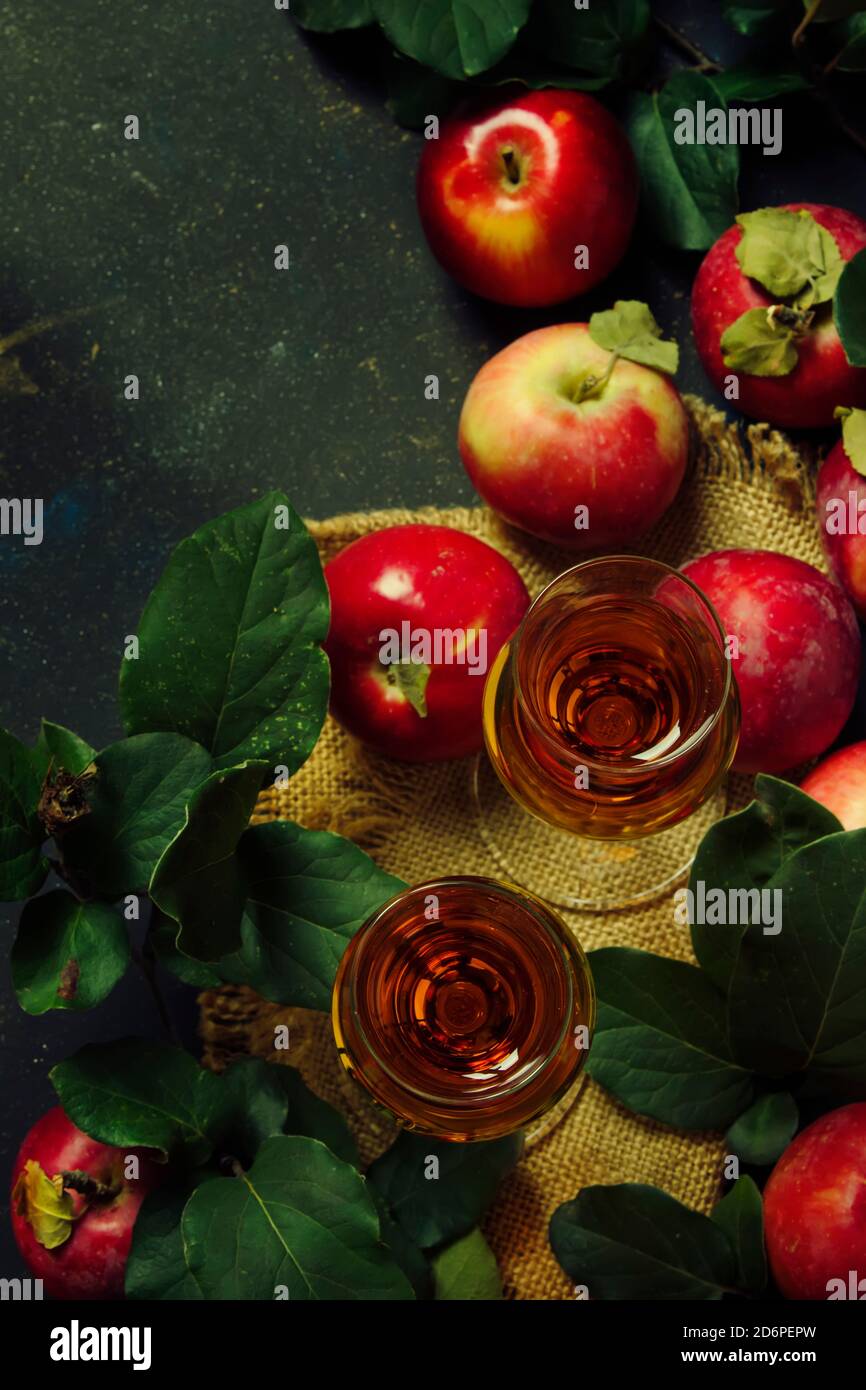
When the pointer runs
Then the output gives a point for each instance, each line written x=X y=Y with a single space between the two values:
x=411 y=679
x=44 y=1205
x=630 y=330
x=759 y=345
x=853 y=436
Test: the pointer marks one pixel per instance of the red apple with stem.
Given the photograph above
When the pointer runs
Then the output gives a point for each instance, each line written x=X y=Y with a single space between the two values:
x=795 y=646
x=551 y=425
x=841 y=508
x=815 y=1209
x=531 y=200
x=73 y=1207
x=418 y=615
x=804 y=347
x=839 y=783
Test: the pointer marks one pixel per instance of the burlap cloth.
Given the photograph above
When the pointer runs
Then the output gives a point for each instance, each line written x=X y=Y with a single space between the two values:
x=745 y=488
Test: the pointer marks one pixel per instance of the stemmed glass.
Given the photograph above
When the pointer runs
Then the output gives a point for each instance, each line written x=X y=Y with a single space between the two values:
x=610 y=720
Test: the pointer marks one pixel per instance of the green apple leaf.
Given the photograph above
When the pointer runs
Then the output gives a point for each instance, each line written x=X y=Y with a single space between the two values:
x=198 y=880
x=330 y=16
x=849 y=310
x=415 y=92
x=156 y=1267
x=789 y=253
x=229 y=652
x=132 y=1093
x=306 y=894
x=797 y=997
x=631 y=1241
x=853 y=436
x=67 y=954
x=310 y=1115
x=753 y=16
x=257 y=1106
x=467 y=1269
x=457 y=38
x=764 y=1131
x=411 y=1259
x=758 y=81
x=760 y=343
x=607 y=39
x=661 y=1045
x=690 y=190
x=299 y=1220
x=743 y=852
x=437 y=1191
x=629 y=330
x=850 y=42
x=266 y=1098
x=61 y=750
x=162 y=938
x=22 y=867
x=137 y=797
x=740 y=1214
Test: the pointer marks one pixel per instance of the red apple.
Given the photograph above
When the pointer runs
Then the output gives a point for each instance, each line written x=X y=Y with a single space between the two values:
x=395 y=592
x=73 y=1209
x=815 y=1209
x=822 y=378
x=839 y=783
x=509 y=194
x=536 y=454
x=797 y=652
x=841 y=509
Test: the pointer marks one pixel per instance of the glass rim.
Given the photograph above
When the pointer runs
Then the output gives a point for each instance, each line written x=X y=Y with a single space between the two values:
x=562 y=938
x=560 y=746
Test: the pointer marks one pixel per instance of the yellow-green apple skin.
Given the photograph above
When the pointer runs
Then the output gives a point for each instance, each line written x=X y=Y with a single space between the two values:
x=539 y=457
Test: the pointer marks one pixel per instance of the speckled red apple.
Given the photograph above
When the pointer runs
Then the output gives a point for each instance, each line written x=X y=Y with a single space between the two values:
x=815 y=1210
x=823 y=378
x=797 y=654
x=841 y=511
x=510 y=192
x=536 y=454
x=434 y=579
x=839 y=783
x=90 y=1258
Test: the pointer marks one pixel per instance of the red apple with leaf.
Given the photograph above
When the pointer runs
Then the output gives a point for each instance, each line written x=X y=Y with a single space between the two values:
x=418 y=615
x=841 y=507
x=763 y=313
x=795 y=646
x=815 y=1210
x=531 y=200
x=575 y=433
x=73 y=1207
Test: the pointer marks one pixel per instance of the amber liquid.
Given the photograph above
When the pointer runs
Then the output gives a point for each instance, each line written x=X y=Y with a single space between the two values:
x=460 y=1017
x=606 y=720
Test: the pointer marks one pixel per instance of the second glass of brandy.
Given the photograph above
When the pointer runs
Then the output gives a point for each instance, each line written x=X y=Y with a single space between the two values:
x=465 y=1007
x=611 y=718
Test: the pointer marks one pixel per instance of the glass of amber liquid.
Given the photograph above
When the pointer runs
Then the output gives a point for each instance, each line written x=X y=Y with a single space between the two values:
x=610 y=720
x=465 y=1006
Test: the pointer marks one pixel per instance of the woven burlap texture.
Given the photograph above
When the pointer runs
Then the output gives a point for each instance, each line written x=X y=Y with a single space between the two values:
x=745 y=488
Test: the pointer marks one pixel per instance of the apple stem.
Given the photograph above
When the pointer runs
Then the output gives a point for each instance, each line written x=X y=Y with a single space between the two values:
x=78 y=1181
x=592 y=385
x=512 y=168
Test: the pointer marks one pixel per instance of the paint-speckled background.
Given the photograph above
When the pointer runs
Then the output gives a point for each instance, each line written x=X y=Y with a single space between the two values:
x=156 y=258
